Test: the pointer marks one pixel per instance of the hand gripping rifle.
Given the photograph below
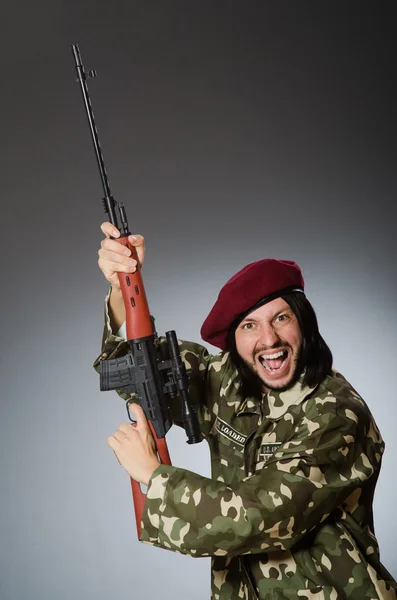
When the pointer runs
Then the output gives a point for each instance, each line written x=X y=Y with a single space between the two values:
x=151 y=377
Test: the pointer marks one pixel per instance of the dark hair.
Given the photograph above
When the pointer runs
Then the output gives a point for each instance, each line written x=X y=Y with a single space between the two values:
x=315 y=357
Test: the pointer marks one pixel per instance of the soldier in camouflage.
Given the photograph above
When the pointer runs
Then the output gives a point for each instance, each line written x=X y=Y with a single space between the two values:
x=295 y=451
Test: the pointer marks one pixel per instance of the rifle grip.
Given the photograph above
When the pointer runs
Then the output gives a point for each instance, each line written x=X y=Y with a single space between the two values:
x=138 y=496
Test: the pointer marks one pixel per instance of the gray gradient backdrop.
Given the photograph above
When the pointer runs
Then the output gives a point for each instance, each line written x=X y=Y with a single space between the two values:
x=233 y=131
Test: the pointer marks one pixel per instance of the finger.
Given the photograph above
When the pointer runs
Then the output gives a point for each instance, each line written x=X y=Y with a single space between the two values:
x=136 y=240
x=110 y=267
x=113 y=443
x=112 y=256
x=141 y=421
x=126 y=428
x=120 y=436
x=115 y=246
x=110 y=230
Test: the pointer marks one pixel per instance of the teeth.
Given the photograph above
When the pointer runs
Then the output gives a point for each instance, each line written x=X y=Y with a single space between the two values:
x=265 y=357
x=276 y=355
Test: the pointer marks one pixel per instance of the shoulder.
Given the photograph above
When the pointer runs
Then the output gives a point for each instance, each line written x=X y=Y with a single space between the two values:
x=197 y=356
x=336 y=399
x=337 y=391
x=336 y=426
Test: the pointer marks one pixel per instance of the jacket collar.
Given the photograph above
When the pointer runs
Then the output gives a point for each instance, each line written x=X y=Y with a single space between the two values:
x=275 y=404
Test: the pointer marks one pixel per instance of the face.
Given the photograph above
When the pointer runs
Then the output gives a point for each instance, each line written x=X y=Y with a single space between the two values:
x=269 y=341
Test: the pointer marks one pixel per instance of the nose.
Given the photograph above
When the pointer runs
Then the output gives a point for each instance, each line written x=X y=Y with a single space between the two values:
x=269 y=337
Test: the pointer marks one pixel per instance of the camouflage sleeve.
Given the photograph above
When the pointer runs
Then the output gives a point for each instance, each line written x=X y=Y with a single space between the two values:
x=112 y=345
x=327 y=459
x=205 y=373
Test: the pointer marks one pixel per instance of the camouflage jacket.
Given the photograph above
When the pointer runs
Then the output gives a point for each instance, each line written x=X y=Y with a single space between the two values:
x=287 y=512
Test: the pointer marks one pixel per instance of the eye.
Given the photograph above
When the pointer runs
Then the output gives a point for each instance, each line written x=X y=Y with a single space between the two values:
x=281 y=318
x=247 y=326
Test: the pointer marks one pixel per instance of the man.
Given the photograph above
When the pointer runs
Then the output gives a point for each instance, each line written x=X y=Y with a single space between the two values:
x=295 y=451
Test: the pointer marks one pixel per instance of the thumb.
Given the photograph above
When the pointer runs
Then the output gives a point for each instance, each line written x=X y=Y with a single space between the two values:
x=138 y=242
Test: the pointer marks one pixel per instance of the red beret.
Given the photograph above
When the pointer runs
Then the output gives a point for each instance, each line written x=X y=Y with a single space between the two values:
x=246 y=289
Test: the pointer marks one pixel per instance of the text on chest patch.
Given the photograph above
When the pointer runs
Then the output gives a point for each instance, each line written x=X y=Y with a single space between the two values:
x=268 y=449
x=231 y=434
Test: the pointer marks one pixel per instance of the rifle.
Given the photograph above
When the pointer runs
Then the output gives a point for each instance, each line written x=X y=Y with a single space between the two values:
x=153 y=377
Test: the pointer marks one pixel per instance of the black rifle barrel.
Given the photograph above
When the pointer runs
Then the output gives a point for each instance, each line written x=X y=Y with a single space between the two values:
x=109 y=202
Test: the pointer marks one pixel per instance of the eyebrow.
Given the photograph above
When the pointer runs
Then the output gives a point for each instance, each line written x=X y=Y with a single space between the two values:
x=280 y=312
x=283 y=310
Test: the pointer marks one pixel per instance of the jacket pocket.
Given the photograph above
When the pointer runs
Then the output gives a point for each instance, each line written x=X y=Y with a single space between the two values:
x=317 y=593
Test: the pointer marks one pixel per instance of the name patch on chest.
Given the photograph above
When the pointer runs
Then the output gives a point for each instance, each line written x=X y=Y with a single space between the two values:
x=268 y=449
x=231 y=434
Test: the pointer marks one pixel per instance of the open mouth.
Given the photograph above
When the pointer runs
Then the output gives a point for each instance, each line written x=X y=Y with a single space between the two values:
x=274 y=362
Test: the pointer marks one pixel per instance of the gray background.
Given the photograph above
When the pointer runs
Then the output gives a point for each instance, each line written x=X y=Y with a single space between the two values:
x=233 y=131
